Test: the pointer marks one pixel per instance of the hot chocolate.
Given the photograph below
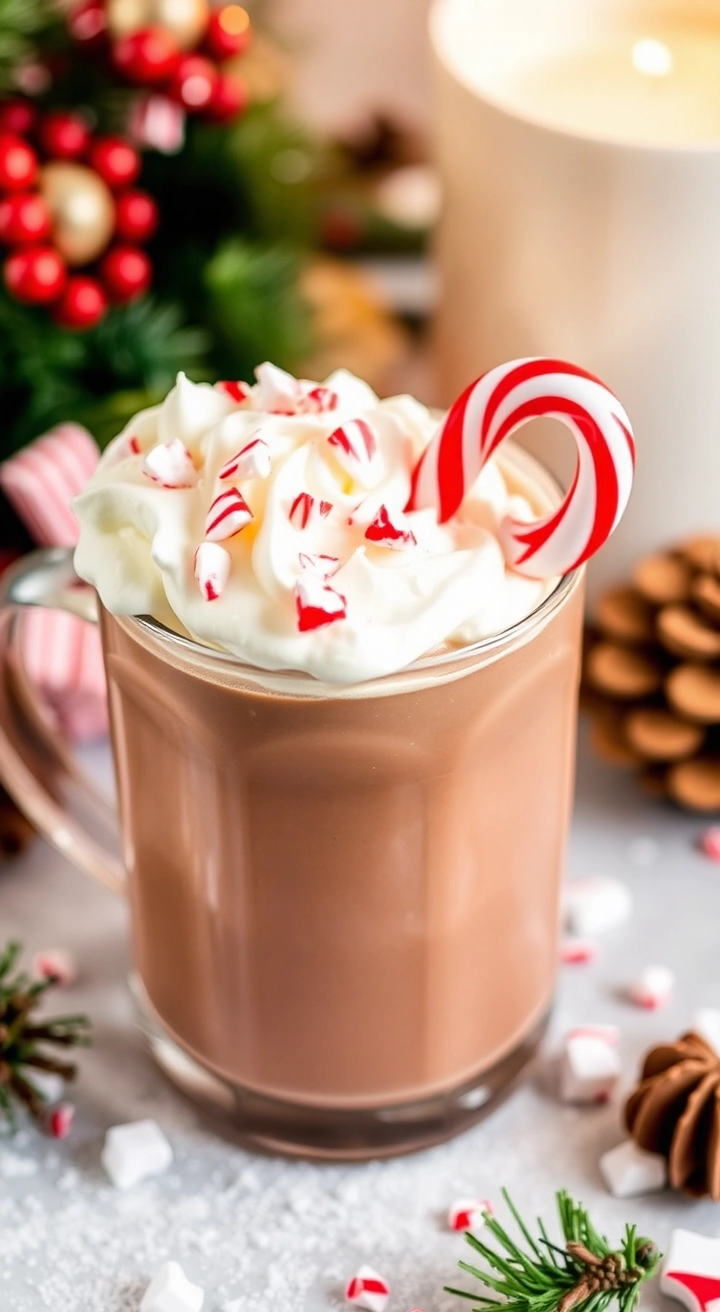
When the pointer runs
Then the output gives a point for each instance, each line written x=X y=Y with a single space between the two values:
x=344 y=737
x=347 y=901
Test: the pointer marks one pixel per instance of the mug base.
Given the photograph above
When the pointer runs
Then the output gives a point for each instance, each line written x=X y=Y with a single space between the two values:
x=326 y=1134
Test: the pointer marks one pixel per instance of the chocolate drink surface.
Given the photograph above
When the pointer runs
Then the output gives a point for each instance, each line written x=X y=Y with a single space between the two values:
x=348 y=901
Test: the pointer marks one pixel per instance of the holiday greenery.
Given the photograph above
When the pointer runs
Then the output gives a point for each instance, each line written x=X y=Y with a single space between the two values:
x=586 y=1275
x=143 y=230
x=25 y=1038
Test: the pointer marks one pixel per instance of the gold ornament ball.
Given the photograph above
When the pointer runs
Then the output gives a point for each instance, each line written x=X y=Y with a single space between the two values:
x=186 y=20
x=82 y=209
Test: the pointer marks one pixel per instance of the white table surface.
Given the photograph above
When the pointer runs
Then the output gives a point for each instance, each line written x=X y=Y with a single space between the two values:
x=282 y=1236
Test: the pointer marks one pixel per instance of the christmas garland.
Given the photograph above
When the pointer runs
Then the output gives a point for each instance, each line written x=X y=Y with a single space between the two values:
x=131 y=240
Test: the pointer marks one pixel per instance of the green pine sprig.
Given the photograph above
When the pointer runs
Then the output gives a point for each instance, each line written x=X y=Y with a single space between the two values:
x=23 y=1038
x=586 y=1275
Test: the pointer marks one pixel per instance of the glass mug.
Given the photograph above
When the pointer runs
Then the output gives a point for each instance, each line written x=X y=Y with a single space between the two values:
x=344 y=901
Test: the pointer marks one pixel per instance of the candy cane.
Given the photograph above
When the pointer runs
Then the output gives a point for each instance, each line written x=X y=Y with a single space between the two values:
x=495 y=406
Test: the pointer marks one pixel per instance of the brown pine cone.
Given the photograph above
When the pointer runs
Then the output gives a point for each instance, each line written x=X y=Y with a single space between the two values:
x=652 y=674
x=675 y=1110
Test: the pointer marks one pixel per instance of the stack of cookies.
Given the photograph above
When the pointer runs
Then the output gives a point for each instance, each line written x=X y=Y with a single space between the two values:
x=651 y=677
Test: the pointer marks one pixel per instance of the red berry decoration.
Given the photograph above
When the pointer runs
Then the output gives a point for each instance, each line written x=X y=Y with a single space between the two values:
x=126 y=272
x=18 y=163
x=64 y=136
x=151 y=55
x=228 y=32
x=116 y=162
x=36 y=276
x=82 y=304
x=18 y=116
x=87 y=23
x=194 y=83
x=229 y=99
x=24 y=219
x=136 y=216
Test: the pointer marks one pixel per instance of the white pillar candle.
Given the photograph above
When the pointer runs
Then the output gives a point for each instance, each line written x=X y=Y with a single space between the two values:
x=579 y=147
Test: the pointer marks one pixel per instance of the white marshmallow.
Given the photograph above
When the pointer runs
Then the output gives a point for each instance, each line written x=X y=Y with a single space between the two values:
x=133 y=1152
x=368 y=1289
x=593 y=905
x=171 y=1291
x=590 y=1066
x=653 y=987
x=629 y=1171
x=706 y=1023
x=691 y=1270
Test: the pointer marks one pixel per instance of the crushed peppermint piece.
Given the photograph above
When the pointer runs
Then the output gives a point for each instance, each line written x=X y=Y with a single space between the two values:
x=368 y=1289
x=306 y=509
x=387 y=532
x=55 y=964
x=652 y=988
x=317 y=604
x=212 y=569
x=60 y=1120
x=229 y=514
x=171 y=465
x=251 y=461
x=237 y=391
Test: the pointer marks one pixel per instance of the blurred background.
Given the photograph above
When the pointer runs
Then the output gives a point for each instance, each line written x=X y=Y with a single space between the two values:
x=416 y=192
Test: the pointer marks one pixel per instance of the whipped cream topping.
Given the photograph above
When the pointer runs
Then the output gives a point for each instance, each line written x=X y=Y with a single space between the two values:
x=268 y=521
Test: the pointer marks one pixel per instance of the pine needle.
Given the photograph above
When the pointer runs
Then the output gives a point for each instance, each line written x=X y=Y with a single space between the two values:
x=587 y=1275
x=24 y=1038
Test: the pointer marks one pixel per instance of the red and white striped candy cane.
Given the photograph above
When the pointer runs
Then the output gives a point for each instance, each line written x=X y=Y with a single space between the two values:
x=494 y=407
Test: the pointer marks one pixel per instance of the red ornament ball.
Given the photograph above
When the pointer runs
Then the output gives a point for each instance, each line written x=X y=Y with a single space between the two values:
x=36 y=275
x=228 y=32
x=87 y=23
x=24 y=219
x=136 y=216
x=18 y=163
x=229 y=98
x=151 y=55
x=64 y=136
x=126 y=272
x=82 y=304
x=18 y=116
x=194 y=83
x=116 y=162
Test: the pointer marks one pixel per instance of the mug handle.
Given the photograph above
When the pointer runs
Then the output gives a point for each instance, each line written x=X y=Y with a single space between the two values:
x=37 y=764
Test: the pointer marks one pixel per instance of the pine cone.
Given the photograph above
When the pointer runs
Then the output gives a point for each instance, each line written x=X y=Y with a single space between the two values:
x=652 y=674
x=675 y=1110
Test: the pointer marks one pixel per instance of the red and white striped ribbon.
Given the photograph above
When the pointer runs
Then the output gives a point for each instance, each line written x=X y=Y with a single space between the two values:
x=63 y=654
x=40 y=481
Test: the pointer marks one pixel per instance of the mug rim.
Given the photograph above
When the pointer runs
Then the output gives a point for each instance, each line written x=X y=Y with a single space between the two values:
x=226 y=662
